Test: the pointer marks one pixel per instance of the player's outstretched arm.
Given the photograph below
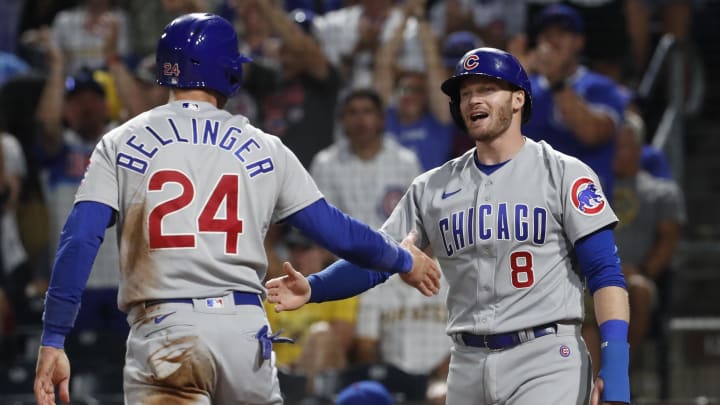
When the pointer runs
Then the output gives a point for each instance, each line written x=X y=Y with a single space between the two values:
x=352 y=240
x=53 y=369
x=343 y=279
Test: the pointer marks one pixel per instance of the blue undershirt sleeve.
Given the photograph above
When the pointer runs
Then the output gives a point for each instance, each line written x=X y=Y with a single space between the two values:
x=79 y=243
x=341 y=280
x=597 y=255
x=350 y=239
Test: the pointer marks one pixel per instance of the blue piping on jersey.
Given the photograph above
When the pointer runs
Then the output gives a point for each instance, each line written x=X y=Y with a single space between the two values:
x=488 y=169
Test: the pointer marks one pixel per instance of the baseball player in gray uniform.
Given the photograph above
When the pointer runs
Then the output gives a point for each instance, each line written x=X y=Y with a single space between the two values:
x=518 y=229
x=193 y=190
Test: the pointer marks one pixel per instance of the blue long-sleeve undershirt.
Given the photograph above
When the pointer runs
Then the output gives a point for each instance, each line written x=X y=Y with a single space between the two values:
x=80 y=240
x=599 y=261
x=350 y=239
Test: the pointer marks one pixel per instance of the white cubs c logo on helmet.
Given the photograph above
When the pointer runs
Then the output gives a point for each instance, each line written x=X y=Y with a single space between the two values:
x=471 y=62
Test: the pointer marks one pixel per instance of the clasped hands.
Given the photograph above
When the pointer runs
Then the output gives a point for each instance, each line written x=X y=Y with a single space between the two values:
x=292 y=291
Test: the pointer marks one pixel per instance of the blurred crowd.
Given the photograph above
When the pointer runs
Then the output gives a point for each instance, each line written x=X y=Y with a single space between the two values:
x=353 y=89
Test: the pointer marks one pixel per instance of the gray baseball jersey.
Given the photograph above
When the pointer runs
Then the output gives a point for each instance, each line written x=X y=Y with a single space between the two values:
x=195 y=189
x=505 y=240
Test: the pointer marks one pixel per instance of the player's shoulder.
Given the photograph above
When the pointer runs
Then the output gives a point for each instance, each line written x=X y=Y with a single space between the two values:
x=546 y=152
x=452 y=169
x=552 y=160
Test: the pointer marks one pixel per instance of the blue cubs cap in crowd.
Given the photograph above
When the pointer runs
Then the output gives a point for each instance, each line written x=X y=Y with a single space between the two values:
x=457 y=44
x=364 y=393
x=84 y=79
x=561 y=15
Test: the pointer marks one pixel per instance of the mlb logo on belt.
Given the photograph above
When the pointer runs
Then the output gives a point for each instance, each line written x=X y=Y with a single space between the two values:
x=214 y=303
x=586 y=197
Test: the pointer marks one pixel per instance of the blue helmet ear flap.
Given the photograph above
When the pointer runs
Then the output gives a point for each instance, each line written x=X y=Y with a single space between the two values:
x=456 y=116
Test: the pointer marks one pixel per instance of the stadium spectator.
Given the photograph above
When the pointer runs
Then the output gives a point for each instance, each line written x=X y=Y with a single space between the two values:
x=605 y=48
x=18 y=103
x=575 y=110
x=299 y=101
x=14 y=273
x=365 y=174
x=148 y=18
x=137 y=91
x=80 y=33
x=351 y=36
x=492 y=20
x=417 y=117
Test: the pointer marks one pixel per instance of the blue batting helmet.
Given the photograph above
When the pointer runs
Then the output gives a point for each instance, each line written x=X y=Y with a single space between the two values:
x=489 y=62
x=200 y=50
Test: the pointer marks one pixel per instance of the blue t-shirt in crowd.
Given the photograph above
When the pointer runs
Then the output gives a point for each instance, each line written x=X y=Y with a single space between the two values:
x=430 y=139
x=601 y=93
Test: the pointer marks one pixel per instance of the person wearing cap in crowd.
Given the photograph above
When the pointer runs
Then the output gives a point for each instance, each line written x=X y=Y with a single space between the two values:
x=577 y=111
x=323 y=333
x=73 y=114
x=364 y=393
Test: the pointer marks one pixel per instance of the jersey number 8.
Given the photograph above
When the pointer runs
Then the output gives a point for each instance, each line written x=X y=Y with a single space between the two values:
x=521 y=270
x=226 y=190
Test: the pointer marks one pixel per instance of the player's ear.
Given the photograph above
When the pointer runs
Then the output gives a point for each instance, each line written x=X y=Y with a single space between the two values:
x=518 y=100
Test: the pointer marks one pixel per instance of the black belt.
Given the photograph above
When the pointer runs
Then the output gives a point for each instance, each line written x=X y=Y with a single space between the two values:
x=241 y=298
x=507 y=340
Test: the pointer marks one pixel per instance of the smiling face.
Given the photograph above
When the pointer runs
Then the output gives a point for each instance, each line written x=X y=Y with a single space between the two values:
x=488 y=106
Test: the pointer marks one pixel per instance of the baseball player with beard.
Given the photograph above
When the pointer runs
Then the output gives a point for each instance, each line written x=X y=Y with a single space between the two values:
x=518 y=229
x=193 y=190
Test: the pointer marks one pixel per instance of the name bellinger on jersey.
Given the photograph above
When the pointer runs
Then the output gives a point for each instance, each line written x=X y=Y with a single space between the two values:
x=518 y=222
x=201 y=132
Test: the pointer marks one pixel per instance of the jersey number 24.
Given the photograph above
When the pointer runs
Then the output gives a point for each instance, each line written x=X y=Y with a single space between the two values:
x=225 y=191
